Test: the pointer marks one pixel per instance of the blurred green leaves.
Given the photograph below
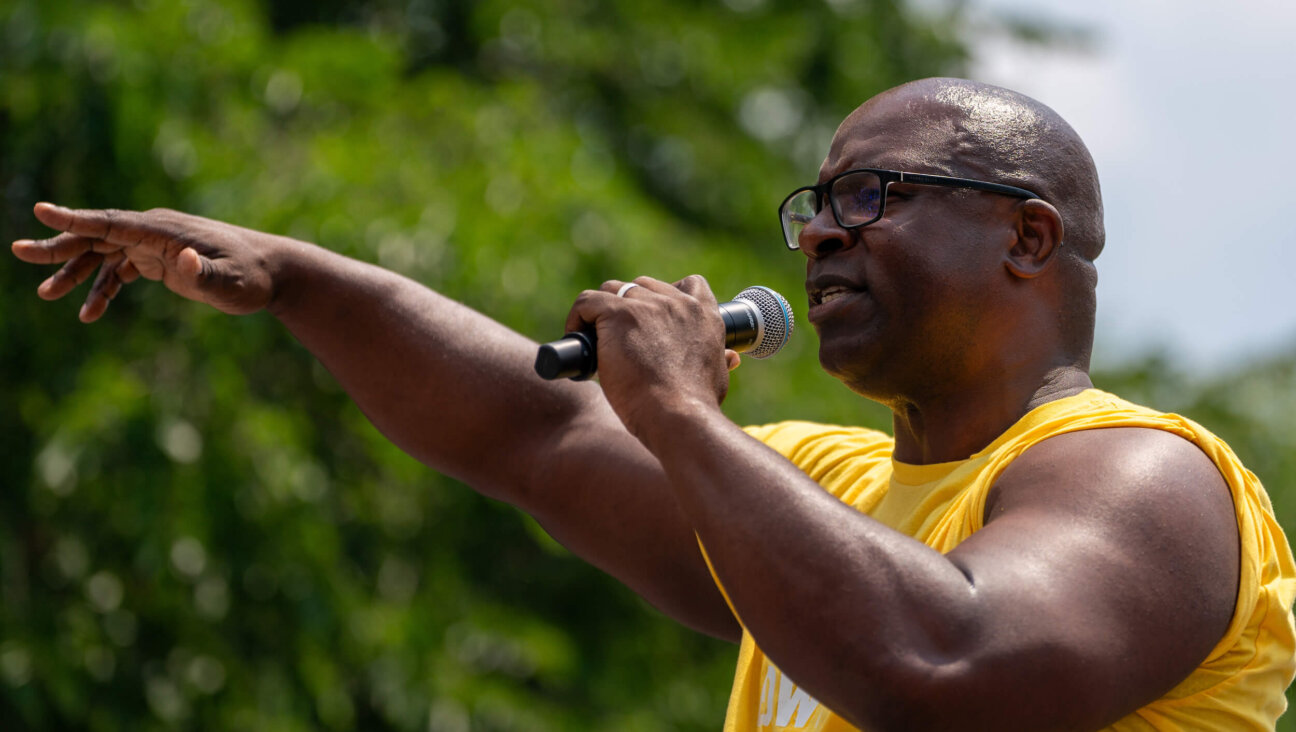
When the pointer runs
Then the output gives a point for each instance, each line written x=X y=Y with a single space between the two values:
x=198 y=529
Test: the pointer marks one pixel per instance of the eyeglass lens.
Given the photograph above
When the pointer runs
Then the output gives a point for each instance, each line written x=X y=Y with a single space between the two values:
x=856 y=199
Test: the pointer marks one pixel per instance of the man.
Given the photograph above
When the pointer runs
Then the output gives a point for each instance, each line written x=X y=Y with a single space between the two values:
x=1002 y=563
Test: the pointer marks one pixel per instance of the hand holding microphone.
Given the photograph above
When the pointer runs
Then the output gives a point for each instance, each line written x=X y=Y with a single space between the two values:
x=758 y=321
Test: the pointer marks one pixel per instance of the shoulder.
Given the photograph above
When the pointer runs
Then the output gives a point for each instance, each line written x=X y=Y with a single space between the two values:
x=1147 y=489
x=1118 y=550
x=1098 y=449
x=1114 y=466
x=1149 y=505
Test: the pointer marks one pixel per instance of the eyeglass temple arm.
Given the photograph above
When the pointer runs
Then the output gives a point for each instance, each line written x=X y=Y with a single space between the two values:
x=945 y=180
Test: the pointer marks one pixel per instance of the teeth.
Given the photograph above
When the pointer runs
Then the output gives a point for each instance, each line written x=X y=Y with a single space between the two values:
x=832 y=293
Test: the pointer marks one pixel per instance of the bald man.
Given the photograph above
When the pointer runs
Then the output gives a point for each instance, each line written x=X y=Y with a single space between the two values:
x=1026 y=552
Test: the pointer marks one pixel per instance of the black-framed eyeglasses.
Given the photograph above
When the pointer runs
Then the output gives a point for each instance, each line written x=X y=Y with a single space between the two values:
x=858 y=198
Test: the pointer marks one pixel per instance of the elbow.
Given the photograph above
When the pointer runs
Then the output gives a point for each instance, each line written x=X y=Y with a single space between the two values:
x=930 y=671
x=941 y=680
x=917 y=694
x=977 y=691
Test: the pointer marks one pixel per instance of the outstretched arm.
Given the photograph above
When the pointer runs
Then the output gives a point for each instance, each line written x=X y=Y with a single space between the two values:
x=448 y=385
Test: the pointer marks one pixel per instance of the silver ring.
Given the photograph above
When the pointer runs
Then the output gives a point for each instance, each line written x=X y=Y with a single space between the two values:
x=625 y=288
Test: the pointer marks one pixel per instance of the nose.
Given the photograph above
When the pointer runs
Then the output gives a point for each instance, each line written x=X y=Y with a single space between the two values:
x=823 y=236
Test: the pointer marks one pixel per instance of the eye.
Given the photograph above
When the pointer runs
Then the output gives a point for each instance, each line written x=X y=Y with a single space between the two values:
x=866 y=198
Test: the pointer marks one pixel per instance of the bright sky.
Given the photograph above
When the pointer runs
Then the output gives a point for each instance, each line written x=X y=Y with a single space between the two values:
x=1188 y=108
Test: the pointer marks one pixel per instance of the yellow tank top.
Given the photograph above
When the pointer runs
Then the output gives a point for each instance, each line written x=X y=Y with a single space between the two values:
x=1240 y=685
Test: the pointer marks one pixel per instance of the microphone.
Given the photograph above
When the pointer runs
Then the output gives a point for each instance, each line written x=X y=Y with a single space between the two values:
x=758 y=322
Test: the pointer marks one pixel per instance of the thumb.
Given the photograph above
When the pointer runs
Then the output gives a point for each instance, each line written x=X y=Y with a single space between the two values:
x=189 y=267
x=218 y=283
x=192 y=276
x=732 y=359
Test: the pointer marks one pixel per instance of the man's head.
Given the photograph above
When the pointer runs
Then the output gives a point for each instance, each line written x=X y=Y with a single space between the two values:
x=954 y=284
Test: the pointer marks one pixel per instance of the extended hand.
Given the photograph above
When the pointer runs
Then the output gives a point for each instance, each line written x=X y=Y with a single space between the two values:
x=225 y=266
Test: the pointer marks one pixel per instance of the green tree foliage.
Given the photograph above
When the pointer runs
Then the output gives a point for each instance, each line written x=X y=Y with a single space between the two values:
x=200 y=530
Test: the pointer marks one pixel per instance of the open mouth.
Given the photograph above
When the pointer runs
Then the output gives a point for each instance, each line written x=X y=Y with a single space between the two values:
x=830 y=293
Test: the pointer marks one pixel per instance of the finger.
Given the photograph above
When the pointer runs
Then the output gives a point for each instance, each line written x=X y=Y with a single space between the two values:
x=594 y=304
x=59 y=249
x=732 y=359
x=589 y=306
x=191 y=266
x=127 y=273
x=69 y=276
x=124 y=228
x=649 y=284
x=105 y=288
x=653 y=285
x=613 y=286
x=697 y=287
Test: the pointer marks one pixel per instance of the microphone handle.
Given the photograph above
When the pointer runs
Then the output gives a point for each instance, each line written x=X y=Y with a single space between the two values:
x=575 y=355
x=742 y=324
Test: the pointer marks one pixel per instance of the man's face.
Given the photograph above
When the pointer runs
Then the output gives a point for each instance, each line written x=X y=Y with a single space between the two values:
x=906 y=302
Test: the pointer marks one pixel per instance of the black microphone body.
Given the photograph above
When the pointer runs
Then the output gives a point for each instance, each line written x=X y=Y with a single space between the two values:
x=757 y=321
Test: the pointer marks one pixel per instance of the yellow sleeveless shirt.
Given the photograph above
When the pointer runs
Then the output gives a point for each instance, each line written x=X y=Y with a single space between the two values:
x=1240 y=685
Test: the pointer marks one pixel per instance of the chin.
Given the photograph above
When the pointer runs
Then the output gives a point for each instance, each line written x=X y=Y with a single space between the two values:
x=855 y=367
x=864 y=369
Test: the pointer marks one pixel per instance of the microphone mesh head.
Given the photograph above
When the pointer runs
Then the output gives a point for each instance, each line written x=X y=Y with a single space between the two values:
x=776 y=318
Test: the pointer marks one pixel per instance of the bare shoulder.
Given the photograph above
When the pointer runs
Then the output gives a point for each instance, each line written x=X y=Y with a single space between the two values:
x=1123 y=543
x=1147 y=494
x=1151 y=471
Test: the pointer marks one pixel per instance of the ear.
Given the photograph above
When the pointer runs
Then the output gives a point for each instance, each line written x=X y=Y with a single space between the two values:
x=1039 y=235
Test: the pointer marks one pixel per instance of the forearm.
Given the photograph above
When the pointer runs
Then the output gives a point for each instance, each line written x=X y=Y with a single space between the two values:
x=448 y=385
x=458 y=391
x=858 y=614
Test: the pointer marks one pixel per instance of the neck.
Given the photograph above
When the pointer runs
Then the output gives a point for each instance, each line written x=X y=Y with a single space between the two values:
x=946 y=427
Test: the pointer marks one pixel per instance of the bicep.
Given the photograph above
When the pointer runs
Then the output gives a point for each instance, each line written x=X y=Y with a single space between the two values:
x=1103 y=580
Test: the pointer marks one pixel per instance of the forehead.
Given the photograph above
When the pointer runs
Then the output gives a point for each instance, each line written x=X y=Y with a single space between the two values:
x=914 y=135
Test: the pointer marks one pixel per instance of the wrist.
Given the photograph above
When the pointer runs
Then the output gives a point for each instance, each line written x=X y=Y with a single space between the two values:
x=676 y=421
x=290 y=264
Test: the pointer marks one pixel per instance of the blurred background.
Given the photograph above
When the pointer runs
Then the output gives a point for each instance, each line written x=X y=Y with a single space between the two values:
x=198 y=529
